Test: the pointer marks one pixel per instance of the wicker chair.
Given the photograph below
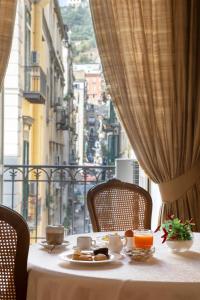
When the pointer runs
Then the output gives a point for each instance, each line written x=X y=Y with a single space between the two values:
x=116 y=205
x=14 y=245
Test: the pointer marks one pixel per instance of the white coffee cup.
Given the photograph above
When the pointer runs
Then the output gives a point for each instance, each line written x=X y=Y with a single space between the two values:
x=55 y=234
x=85 y=242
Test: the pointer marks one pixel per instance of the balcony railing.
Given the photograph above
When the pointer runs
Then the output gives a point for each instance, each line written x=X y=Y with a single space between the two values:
x=52 y=194
x=35 y=84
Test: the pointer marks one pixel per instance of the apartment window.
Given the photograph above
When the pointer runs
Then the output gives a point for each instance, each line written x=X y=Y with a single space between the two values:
x=27 y=122
x=47 y=105
x=25 y=182
x=27 y=58
x=55 y=90
x=51 y=95
x=27 y=38
x=77 y=86
x=26 y=153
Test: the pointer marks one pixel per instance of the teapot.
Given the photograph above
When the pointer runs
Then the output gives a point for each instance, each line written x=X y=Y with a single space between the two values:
x=115 y=243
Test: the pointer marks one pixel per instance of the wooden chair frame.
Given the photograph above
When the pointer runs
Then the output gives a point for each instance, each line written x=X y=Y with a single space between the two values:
x=115 y=183
x=19 y=225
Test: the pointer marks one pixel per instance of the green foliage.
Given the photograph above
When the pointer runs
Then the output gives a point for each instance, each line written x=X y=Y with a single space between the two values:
x=83 y=59
x=49 y=200
x=104 y=150
x=176 y=229
x=81 y=31
x=79 y=22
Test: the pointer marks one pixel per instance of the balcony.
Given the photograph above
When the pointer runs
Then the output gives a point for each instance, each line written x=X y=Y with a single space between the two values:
x=111 y=127
x=52 y=194
x=35 y=84
x=62 y=118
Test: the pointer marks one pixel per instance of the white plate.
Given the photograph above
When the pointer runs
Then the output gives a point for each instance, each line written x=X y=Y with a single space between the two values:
x=68 y=257
x=51 y=247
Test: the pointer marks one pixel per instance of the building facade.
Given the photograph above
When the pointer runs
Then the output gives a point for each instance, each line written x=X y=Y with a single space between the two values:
x=94 y=87
x=36 y=107
x=13 y=102
x=80 y=98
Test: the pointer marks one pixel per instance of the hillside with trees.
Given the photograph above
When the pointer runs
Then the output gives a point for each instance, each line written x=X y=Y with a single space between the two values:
x=81 y=33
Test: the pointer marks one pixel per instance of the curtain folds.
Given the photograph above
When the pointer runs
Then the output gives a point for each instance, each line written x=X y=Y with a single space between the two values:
x=7 y=20
x=150 y=52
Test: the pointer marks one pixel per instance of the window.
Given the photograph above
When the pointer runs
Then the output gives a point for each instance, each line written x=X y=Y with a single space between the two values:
x=25 y=174
x=26 y=152
x=51 y=92
x=27 y=38
x=27 y=58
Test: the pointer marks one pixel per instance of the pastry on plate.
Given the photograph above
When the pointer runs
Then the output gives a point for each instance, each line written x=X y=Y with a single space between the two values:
x=101 y=251
x=85 y=257
x=100 y=256
x=76 y=254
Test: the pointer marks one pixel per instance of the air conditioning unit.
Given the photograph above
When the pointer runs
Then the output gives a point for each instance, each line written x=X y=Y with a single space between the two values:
x=127 y=170
x=136 y=172
x=34 y=58
x=143 y=179
x=32 y=188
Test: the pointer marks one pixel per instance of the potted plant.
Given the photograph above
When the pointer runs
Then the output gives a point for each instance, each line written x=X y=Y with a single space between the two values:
x=177 y=234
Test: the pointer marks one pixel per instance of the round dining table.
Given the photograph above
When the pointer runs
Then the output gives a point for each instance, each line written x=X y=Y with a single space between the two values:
x=165 y=276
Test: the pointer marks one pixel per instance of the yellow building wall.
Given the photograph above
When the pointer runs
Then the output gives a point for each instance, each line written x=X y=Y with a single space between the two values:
x=40 y=132
x=37 y=138
x=38 y=142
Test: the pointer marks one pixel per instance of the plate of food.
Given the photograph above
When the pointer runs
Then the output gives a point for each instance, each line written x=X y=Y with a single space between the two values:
x=98 y=256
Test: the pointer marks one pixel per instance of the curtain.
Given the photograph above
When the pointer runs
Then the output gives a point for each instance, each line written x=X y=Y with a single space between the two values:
x=150 y=52
x=7 y=19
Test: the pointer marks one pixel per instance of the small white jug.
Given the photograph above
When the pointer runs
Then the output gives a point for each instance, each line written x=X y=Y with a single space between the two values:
x=114 y=243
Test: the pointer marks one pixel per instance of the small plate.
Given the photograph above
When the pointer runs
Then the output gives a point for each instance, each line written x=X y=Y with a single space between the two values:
x=68 y=258
x=138 y=254
x=51 y=247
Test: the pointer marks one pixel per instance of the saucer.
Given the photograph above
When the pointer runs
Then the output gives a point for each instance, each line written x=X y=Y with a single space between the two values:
x=51 y=246
x=139 y=254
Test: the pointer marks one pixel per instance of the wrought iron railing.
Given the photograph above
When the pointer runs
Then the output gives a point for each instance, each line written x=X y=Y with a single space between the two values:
x=52 y=194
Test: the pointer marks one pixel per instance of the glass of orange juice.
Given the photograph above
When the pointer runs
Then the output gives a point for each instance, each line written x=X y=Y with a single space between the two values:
x=143 y=238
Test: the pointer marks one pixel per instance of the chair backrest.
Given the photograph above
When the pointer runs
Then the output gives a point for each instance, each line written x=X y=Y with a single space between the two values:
x=116 y=205
x=14 y=246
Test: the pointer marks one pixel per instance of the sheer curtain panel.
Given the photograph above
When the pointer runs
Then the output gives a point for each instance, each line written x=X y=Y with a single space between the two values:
x=150 y=52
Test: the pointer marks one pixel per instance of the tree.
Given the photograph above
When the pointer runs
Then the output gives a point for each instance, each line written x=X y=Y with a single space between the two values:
x=80 y=25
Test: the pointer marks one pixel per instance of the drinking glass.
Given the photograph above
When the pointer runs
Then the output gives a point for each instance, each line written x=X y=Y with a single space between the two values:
x=143 y=239
x=55 y=234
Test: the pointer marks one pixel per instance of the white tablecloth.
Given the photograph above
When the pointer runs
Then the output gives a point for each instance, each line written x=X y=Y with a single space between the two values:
x=166 y=276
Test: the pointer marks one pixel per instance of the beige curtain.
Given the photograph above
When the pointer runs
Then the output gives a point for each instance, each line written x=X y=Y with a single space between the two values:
x=7 y=19
x=150 y=51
